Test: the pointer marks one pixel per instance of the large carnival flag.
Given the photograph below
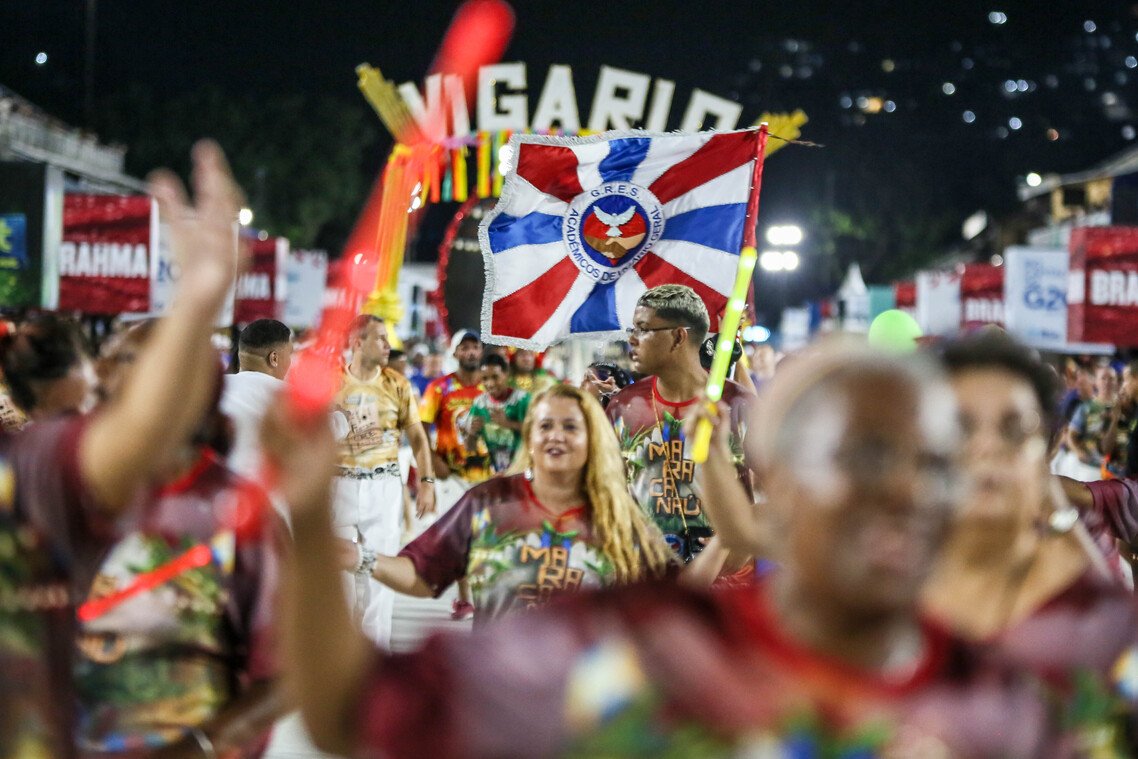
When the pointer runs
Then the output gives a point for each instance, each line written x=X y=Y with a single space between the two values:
x=585 y=225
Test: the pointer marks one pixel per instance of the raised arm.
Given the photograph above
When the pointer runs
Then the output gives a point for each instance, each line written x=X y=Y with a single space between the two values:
x=327 y=656
x=731 y=512
x=167 y=395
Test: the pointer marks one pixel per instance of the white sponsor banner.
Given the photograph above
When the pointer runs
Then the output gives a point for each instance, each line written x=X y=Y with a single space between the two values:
x=307 y=274
x=164 y=273
x=938 y=302
x=1035 y=298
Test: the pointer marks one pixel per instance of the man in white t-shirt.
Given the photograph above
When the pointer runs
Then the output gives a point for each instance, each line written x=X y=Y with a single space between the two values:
x=264 y=353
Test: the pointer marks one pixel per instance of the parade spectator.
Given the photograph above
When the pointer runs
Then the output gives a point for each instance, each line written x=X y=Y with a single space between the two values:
x=264 y=355
x=831 y=651
x=1118 y=439
x=70 y=480
x=194 y=653
x=1019 y=569
x=47 y=367
x=397 y=361
x=1080 y=381
x=446 y=404
x=1089 y=423
x=527 y=376
x=428 y=368
x=561 y=521
x=670 y=323
x=380 y=407
x=497 y=414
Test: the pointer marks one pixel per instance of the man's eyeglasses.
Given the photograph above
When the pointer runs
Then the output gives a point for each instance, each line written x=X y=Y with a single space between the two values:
x=640 y=332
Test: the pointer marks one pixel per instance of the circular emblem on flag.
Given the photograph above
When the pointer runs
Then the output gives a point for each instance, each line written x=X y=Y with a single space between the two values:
x=609 y=228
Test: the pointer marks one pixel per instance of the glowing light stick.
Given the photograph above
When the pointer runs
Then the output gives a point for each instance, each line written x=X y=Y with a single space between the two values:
x=479 y=34
x=729 y=324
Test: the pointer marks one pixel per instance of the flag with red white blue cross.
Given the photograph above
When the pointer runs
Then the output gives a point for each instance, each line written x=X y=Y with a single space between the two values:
x=586 y=224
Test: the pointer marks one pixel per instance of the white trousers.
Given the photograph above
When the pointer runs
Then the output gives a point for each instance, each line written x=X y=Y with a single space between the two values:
x=370 y=509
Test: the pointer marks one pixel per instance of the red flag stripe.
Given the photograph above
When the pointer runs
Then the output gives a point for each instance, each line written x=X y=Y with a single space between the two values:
x=655 y=271
x=721 y=154
x=523 y=312
x=551 y=169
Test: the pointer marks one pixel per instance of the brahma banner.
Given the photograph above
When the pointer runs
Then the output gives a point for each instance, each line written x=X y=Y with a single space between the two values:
x=261 y=290
x=981 y=296
x=1102 y=289
x=107 y=253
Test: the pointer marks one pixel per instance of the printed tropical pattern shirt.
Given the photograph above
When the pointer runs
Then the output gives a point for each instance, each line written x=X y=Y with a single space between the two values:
x=501 y=442
x=516 y=553
x=661 y=474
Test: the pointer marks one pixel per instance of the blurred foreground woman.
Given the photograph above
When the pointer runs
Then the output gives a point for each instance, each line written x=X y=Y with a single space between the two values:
x=65 y=483
x=830 y=655
x=1019 y=568
x=187 y=663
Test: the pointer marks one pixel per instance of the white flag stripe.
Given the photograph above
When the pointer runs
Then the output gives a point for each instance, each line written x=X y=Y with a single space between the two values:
x=557 y=327
x=664 y=153
x=714 y=268
x=523 y=198
x=627 y=291
x=732 y=187
x=589 y=157
x=517 y=267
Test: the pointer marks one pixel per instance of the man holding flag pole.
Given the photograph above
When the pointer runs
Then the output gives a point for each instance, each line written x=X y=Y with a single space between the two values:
x=631 y=236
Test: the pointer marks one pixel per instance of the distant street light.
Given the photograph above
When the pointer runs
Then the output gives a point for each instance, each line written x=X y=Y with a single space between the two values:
x=41 y=58
x=784 y=234
x=245 y=217
x=778 y=260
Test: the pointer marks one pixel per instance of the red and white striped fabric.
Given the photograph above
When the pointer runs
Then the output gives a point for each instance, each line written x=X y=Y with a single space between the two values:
x=585 y=225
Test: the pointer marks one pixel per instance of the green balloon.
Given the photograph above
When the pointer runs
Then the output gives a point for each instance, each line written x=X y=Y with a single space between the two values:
x=894 y=331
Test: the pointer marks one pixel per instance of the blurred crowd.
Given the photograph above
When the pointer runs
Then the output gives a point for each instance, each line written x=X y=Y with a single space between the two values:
x=921 y=554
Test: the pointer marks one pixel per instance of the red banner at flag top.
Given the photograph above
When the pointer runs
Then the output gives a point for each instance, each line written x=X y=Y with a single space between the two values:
x=1102 y=294
x=981 y=296
x=105 y=257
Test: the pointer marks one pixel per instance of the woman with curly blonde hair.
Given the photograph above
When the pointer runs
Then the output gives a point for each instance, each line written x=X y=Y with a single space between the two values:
x=561 y=519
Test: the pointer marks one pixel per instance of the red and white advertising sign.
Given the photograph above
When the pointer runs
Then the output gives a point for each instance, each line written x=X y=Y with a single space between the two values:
x=981 y=296
x=1102 y=289
x=261 y=290
x=905 y=297
x=106 y=257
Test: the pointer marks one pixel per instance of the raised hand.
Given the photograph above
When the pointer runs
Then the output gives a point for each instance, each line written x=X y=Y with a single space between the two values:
x=203 y=231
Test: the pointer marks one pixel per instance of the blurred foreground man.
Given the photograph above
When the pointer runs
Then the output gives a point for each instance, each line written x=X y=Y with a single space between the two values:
x=828 y=657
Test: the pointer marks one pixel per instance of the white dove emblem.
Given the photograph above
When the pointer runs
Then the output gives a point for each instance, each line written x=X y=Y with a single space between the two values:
x=615 y=220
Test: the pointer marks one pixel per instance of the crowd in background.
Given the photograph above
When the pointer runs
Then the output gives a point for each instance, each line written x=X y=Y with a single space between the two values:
x=882 y=555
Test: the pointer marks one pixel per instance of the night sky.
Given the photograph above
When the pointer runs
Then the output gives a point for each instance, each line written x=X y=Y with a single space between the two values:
x=968 y=96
